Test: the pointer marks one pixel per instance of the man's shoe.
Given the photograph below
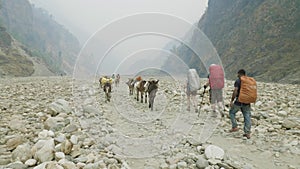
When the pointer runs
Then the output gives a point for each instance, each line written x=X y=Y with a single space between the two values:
x=234 y=129
x=246 y=135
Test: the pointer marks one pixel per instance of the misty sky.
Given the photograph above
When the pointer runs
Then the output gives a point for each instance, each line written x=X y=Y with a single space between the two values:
x=125 y=34
x=85 y=17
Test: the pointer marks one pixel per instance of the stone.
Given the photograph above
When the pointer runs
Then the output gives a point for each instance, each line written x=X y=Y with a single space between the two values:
x=17 y=124
x=17 y=165
x=113 y=166
x=31 y=162
x=202 y=163
x=14 y=142
x=43 y=134
x=80 y=165
x=54 y=123
x=74 y=139
x=5 y=160
x=67 y=164
x=181 y=165
x=66 y=147
x=214 y=152
x=258 y=103
x=164 y=166
x=44 y=150
x=54 y=165
x=88 y=142
x=282 y=113
x=70 y=128
x=289 y=124
x=22 y=153
x=59 y=155
x=60 y=106
x=213 y=161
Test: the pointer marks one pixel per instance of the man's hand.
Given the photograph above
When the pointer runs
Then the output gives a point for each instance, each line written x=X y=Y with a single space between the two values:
x=234 y=94
x=231 y=103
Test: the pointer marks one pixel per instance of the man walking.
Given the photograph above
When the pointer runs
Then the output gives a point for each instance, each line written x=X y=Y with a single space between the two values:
x=192 y=85
x=236 y=105
x=216 y=85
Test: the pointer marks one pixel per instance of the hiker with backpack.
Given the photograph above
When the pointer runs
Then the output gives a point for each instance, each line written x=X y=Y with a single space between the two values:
x=192 y=85
x=244 y=93
x=216 y=85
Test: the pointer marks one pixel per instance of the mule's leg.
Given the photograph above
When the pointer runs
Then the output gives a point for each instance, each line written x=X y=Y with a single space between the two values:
x=108 y=94
x=151 y=103
x=142 y=96
x=146 y=95
x=151 y=98
x=107 y=97
x=137 y=95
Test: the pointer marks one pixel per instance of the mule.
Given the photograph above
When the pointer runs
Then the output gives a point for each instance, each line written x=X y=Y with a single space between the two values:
x=141 y=90
x=130 y=84
x=151 y=87
x=100 y=81
x=107 y=91
x=117 y=80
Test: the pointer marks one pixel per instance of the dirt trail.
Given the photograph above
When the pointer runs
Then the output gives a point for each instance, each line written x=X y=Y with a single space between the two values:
x=138 y=124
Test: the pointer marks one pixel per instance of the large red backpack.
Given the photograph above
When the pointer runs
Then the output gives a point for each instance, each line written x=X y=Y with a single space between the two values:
x=216 y=77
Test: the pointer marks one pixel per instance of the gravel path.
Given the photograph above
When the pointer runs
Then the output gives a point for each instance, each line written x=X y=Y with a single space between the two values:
x=124 y=133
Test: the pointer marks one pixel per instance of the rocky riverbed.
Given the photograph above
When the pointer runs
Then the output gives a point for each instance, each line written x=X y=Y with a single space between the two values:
x=61 y=122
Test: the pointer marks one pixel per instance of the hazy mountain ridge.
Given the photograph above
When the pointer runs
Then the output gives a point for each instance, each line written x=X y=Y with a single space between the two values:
x=262 y=37
x=195 y=44
x=39 y=35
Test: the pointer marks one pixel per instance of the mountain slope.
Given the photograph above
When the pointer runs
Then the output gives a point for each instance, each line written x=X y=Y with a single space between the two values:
x=39 y=35
x=263 y=37
x=13 y=59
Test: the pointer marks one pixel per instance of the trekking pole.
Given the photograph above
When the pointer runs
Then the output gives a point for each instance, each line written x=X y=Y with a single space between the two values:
x=201 y=102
